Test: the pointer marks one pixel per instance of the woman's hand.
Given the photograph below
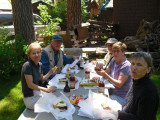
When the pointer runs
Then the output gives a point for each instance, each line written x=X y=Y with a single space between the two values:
x=99 y=65
x=51 y=88
x=101 y=72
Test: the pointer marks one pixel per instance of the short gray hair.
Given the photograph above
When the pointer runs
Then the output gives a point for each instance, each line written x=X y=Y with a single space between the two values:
x=147 y=57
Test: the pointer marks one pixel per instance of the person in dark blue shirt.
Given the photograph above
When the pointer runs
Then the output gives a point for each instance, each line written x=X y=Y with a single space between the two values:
x=52 y=56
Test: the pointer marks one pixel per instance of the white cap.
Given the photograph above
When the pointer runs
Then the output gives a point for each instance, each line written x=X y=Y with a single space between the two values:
x=112 y=40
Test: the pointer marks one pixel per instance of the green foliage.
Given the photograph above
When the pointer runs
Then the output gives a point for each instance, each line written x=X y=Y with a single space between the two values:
x=12 y=54
x=105 y=37
x=9 y=1
x=85 y=13
x=59 y=10
x=156 y=79
x=53 y=22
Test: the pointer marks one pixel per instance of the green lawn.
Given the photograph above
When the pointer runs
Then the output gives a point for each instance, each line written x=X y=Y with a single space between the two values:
x=156 y=78
x=11 y=99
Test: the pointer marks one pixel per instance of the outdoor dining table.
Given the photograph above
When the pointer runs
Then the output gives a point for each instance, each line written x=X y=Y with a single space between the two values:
x=80 y=91
x=49 y=116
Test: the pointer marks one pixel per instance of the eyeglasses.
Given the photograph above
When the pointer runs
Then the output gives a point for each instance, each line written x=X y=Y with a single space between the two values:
x=109 y=45
x=116 y=51
x=35 y=53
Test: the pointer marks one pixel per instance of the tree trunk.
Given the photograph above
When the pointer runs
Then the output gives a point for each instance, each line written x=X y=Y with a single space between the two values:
x=23 y=20
x=73 y=13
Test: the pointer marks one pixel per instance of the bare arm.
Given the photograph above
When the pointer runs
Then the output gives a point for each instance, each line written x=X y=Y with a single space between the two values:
x=31 y=85
x=108 y=70
x=118 y=83
x=45 y=77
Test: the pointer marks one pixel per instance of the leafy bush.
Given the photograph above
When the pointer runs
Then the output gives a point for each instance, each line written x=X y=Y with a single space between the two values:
x=57 y=15
x=85 y=13
x=51 y=28
x=59 y=10
x=12 y=54
x=53 y=22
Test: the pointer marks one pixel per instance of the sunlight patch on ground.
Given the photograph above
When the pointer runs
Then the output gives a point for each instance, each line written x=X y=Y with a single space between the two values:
x=12 y=99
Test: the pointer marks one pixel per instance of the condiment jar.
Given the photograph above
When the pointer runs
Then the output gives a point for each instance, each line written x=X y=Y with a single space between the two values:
x=101 y=86
x=66 y=88
x=87 y=74
x=72 y=82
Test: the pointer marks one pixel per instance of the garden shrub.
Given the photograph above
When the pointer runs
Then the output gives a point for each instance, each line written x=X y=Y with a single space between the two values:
x=12 y=54
x=85 y=12
x=57 y=15
x=59 y=10
x=52 y=22
x=51 y=28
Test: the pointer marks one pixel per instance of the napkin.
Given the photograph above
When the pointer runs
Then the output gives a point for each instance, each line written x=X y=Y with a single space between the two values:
x=89 y=67
x=54 y=81
x=75 y=62
x=108 y=84
x=44 y=104
x=64 y=70
x=92 y=108
x=92 y=74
